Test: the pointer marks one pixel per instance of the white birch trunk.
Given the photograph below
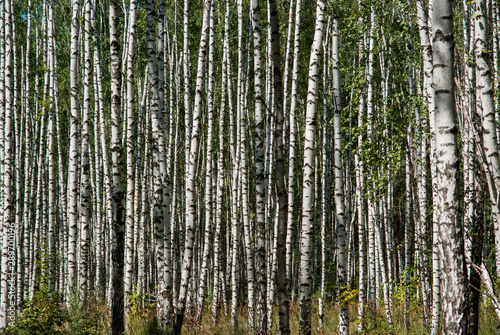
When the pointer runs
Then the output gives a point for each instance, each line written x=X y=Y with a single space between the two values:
x=118 y=221
x=191 y=176
x=454 y=280
x=7 y=284
x=371 y=198
x=73 y=149
x=292 y=142
x=260 y=248
x=51 y=131
x=305 y=276
x=159 y=168
x=208 y=169
x=428 y=95
x=281 y=222
x=83 y=272
x=130 y=143
x=218 y=270
x=360 y=177
x=339 y=184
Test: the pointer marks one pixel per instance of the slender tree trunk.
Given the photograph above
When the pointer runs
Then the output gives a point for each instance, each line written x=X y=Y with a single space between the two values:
x=85 y=165
x=51 y=131
x=283 y=300
x=191 y=175
x=325 y=188
x=118 y=223
x=292 y=144
x=187 y=81
x=159 y=167
x=428 y=95
x=208 y=169
x=360 y=177
x=218 y=270
x=309 y=174
x=407 y=231
x=436 y=264
x=102 y=149
x=7 y=284
x=372 y=284
x=130 y=143
x=339 y=185
x=260 y=252
x=73 y=148
x=234 y=131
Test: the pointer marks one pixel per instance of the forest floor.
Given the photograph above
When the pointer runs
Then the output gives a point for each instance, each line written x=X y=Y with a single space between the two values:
x=49 y=317
x=377 y=325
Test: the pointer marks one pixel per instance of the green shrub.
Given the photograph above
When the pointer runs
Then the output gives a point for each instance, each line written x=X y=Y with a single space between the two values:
x=142 y=319
x=88 y=316
x=45 y=314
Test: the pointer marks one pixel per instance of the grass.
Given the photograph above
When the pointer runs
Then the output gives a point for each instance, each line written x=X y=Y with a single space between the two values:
x=374 y=325
x=92 y=318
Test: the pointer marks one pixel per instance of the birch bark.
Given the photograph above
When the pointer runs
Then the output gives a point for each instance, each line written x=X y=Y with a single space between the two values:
x=208 y=169
x=360 y=181
x=305 y=276
x=130 y=142
x=159 y=167
x=85 y=165
x=292 y=144
x=218 y=269
x=454 y=280
x=339 y=184
x=260 y=252
x=118 y=208
x=283 y=300
x=73 y=148
x=7 y=283
x=191 y=176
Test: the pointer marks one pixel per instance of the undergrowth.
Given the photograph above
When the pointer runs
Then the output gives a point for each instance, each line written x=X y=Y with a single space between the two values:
x=48 y=314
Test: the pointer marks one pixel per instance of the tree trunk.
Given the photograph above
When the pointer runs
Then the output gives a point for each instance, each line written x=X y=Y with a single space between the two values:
x=339 y=185
x=85 y=164
x=118 y=224
x=73 y=149
x=7 y=302
x=208 y=169
x=292 y=144
x=454 y=280
x=260 y=248
x=309 y=175
x=191 y=176
x=131 y=142
x=283 y=300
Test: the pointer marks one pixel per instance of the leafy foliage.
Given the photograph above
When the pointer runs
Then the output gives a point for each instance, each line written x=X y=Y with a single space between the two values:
x=142 y=319
x=44 y=315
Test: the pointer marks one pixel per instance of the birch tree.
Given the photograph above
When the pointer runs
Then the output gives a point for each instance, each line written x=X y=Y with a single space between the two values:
x=283 y=299
x=8 y=226
x=292 y=142
x=260 y=253
x=131 y=139
x=453 y=279
x=85 y=163
x=73 y=148
x=159 y=168
x=309 y=173
x=118 y=223
x=339 y=183
x=191 y=175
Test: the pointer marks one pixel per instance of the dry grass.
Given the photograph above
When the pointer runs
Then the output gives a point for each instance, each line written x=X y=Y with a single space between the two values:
x=375 y=325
